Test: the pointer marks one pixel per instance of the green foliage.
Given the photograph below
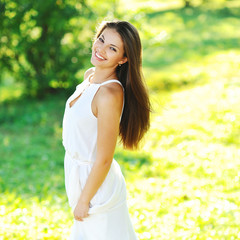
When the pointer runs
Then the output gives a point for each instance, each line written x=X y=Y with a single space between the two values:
x=44 y=44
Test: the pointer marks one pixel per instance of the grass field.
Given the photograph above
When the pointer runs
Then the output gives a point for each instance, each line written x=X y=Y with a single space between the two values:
x=184 y=182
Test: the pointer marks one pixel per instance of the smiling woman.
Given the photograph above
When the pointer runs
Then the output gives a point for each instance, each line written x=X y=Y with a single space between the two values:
x=108 y=50
x=112 y=100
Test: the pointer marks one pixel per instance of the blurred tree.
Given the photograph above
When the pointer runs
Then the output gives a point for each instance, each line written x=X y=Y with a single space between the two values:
x=44 y=43
x=187 y=3
x=192 y=3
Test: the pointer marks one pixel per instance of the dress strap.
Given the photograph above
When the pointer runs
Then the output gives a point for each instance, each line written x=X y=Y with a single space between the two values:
x=110 y=81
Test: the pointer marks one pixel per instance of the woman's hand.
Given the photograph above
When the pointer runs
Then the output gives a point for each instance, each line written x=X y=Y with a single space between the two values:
x=81 y=211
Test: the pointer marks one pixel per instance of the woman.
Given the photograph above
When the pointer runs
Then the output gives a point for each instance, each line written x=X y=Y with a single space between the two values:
x=112 y=100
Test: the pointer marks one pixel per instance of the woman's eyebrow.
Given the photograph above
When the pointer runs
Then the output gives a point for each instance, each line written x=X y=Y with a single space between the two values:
x=110 y=43
x=114 y=46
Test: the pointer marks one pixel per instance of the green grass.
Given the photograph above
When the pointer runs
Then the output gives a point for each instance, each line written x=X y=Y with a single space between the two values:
x=184 y=182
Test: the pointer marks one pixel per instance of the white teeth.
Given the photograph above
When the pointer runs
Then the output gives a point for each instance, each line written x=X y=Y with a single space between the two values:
x=99 y=56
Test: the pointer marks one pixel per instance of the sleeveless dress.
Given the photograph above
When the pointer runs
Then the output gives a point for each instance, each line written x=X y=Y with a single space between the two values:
x=108 y=213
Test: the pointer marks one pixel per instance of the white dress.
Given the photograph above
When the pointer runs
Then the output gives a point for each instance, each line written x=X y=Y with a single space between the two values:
x=108 y=213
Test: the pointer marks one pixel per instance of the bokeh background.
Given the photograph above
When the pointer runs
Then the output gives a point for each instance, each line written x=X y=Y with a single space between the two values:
x=184 y=181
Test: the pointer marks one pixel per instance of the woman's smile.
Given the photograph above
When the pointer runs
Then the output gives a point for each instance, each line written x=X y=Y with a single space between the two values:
x=98 y=56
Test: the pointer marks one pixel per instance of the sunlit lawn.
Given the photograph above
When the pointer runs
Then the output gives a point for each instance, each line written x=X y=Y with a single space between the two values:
x=184 y=183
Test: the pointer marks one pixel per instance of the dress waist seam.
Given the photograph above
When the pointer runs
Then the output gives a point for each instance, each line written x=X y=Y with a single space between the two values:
x=77 y=159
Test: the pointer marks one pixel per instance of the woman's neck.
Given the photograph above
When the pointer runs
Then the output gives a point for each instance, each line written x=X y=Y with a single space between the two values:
x=101 y=75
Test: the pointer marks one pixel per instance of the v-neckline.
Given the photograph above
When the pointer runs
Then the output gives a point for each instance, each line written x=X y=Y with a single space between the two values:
x=74 y=101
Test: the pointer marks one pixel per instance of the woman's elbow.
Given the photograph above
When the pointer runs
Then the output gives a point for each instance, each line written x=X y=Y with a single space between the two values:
x=105 y=162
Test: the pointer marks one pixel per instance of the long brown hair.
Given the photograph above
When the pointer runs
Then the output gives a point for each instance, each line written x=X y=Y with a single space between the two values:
x=135 y=119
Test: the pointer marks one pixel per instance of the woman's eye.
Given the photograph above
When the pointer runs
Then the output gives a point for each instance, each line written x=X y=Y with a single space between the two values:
x=101 y=40
x=114 y=49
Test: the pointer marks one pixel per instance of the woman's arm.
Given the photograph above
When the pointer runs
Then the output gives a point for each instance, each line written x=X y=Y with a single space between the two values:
x=109 y=100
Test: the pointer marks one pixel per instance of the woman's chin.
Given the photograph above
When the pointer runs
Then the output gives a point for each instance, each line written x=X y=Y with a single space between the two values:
x=94 y=61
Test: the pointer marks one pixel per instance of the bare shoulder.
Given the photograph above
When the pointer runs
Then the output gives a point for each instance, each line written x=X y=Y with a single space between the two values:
x=88 y=72
x=110 y=94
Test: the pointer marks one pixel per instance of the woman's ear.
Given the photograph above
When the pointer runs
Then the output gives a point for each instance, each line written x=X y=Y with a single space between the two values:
x=123 y=61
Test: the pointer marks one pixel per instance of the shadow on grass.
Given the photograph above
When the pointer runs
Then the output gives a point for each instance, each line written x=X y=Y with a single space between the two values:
x=195 y=32
x=183 y=38
x=220 y=12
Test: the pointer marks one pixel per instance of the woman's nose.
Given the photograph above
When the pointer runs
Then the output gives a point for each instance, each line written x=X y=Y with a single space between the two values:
x=101 y=49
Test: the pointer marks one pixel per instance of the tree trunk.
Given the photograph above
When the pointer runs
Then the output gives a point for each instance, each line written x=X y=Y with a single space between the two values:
x=187 y=3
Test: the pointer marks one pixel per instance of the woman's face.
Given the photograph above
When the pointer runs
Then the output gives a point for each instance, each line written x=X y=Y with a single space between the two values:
x=108 y=50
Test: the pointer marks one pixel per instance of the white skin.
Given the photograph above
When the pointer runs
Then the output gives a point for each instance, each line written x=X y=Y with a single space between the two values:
x=107 y=54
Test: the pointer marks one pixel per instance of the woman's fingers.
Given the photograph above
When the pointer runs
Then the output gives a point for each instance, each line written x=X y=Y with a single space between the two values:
x=81 y=211
x=80 y=218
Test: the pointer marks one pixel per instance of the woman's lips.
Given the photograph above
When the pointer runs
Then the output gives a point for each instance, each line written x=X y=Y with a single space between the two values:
x=99 y=57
